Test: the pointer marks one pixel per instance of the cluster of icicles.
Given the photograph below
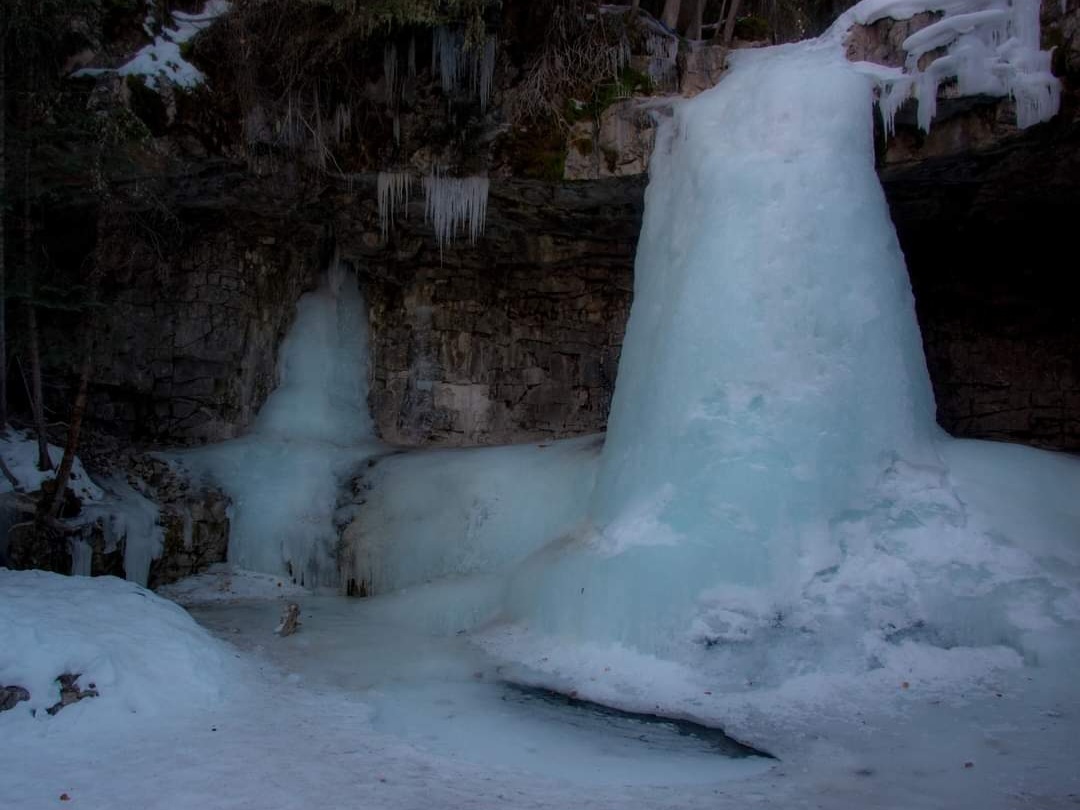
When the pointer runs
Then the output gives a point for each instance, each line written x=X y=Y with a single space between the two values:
x=458 y=64
x=991 y=47
x=451 y=204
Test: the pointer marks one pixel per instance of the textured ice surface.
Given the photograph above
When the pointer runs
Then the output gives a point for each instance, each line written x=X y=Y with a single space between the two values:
x=285 y=476
x=224 y=583
x=460 y=512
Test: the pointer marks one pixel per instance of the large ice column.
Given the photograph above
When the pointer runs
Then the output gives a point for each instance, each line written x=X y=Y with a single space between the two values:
x=285 y=476
x=772 y=367
x=772 y=356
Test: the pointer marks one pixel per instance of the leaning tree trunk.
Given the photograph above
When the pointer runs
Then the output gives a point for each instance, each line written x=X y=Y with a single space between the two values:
x=37 y=402
x=55 y=501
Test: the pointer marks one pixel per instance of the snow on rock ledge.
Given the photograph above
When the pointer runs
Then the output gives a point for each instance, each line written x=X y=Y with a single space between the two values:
x=143 y=654
x=163 y=59
x=987 y=47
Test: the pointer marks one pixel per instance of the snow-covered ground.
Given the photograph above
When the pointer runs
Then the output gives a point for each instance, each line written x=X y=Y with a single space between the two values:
x=362 y=708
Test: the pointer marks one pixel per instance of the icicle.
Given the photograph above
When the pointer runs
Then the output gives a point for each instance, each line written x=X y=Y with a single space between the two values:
x=447 y=51
x=663 y=50
x=81 y=557
x=452 y=62
x=453 y=202
x=894 y=88
x=390 y=66
x=484 y=72
x=342 y=122
x=926 y=92
x=393 y=189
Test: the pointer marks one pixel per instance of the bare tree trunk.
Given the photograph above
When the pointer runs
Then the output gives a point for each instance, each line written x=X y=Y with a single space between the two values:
x=719 y=27
x=729 y=25
x=56 y=500
x=37 y=403
x=3 y=214
x=670 y=15
x=697 y=13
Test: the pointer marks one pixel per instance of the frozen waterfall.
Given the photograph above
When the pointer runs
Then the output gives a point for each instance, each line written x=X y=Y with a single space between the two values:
x=285 y=475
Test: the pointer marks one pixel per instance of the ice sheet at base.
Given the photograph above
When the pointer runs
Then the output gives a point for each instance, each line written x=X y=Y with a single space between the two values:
x=443 y=696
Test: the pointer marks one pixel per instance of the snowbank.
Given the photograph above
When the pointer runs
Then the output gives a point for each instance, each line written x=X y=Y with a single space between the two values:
x=143 y=654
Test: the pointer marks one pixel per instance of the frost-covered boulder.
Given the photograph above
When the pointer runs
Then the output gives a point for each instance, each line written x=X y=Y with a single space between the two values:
x=142 y=654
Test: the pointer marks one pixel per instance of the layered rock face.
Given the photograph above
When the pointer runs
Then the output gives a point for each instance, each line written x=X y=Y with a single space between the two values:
x=513 y=339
